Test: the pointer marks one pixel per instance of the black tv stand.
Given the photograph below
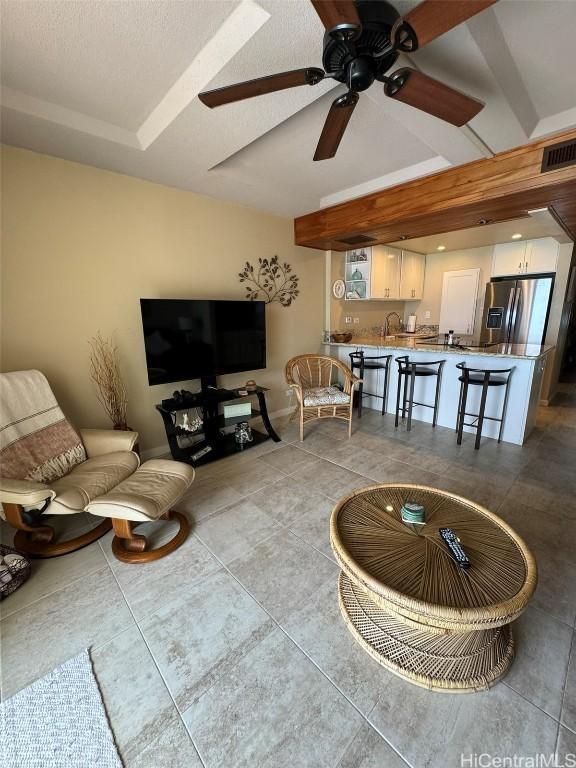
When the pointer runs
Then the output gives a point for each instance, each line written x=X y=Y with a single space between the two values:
x=208 y=383
x=211 y=435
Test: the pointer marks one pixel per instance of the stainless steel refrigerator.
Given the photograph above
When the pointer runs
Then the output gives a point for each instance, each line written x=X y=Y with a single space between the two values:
x=516 y=310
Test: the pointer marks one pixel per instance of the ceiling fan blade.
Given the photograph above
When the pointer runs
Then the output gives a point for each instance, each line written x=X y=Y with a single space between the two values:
x=335 y=125
x=341 y=14
x=431 y=19
x=432 y=96
x=260 y=86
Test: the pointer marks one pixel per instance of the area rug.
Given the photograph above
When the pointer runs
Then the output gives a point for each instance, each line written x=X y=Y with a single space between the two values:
x=59 y=722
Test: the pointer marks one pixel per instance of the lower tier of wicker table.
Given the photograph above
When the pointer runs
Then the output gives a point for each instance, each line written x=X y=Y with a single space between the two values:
x=451 y=663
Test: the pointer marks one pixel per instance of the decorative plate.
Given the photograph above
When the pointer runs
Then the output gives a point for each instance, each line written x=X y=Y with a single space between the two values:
x=339 y=289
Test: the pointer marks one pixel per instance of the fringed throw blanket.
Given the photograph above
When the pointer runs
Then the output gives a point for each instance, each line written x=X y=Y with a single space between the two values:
x=37 y=442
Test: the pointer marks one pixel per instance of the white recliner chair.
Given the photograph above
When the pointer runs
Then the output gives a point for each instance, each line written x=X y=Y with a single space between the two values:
x=47 y=468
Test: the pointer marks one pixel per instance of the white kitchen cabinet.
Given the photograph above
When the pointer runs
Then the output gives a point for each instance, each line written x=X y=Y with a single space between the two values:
x=459 y=296
x=542 y=255
x=386 y=272
x=524 y=257
x=373 y=273
x=358 y=274
x=509 y=258
x=412 y=275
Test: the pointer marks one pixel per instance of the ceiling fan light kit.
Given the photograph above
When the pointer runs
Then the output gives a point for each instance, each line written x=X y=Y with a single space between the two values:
x=362 y=41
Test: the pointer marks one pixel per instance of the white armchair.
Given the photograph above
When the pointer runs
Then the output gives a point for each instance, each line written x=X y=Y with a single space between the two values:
x=46 y=468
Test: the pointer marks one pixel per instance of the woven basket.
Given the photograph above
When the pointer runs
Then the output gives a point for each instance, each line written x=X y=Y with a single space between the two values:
x=19 y=575
x=341 y=338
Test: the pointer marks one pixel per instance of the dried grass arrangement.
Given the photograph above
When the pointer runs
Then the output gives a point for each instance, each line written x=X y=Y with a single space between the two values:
x=105 y=373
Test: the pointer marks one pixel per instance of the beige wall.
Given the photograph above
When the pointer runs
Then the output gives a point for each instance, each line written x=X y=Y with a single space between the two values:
x=369 y=313
x=436 y=265
x=80 y=246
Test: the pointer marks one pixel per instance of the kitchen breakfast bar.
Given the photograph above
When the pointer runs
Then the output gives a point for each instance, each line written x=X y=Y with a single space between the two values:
x=528 y=362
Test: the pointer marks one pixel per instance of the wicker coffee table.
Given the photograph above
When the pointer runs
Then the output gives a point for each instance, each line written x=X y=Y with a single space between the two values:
x=406 y=601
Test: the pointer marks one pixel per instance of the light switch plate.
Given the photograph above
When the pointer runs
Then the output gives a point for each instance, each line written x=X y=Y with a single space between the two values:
x=356 y=320
x=347 y=320
x=427 y=315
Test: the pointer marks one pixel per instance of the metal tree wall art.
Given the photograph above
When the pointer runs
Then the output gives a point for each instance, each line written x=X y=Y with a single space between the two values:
x=270 y=281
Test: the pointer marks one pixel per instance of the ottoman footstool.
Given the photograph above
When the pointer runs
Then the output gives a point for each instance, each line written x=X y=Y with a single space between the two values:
x=147 y=495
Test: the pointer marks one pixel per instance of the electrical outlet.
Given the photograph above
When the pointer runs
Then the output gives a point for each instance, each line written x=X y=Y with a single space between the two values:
x=356 y=320
x=427 y=315
x=347 y=320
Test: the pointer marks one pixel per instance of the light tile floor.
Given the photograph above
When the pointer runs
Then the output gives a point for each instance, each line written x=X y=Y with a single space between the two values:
x=232 y=652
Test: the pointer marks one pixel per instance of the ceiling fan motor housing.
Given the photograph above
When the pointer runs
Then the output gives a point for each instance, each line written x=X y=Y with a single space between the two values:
x=370 y=61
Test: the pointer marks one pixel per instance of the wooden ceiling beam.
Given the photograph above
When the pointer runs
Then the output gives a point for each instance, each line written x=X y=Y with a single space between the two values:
x=498 y=188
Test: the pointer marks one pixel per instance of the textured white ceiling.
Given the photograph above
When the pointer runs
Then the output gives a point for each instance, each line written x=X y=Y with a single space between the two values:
x=112 y=60
x=81 y=79
x=542 y=43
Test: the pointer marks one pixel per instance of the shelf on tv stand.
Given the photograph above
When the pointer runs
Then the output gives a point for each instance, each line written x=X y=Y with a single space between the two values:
x=213 y=422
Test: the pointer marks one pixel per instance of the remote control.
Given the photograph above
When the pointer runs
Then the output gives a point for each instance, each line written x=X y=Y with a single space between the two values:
x=201 y=452
x=453 y=543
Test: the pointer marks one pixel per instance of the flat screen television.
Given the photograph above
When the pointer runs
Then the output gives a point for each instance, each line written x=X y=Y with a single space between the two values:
x=202 y=338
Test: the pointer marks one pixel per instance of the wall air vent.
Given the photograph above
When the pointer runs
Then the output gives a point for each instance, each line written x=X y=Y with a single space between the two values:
x=559 y=156
x=356 y=240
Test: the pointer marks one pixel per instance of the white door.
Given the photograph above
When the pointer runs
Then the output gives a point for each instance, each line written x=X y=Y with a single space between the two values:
x=542 y=255
x=509 y=259
x=459 y=296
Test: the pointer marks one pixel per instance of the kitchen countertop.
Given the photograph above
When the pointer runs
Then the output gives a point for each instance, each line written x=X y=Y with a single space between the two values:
x=523 y=351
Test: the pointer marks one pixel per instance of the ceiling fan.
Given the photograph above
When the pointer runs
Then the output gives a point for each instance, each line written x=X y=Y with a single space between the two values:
x=362 y=41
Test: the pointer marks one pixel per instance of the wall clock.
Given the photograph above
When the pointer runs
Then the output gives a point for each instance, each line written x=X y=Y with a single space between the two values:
x=339 y=289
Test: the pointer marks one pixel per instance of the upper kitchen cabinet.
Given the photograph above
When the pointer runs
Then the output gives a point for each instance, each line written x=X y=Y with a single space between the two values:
x=525 y=257
x=542 y=255
x=412 y=276
x=383 y=272
x=373 y=273
x=358 y=274
x=386 y=272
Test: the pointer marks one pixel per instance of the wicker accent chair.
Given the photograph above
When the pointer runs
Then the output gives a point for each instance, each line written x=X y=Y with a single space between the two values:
x=313 y=378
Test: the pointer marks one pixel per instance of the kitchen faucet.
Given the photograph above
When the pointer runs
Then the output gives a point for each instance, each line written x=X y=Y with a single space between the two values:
x=387 y=322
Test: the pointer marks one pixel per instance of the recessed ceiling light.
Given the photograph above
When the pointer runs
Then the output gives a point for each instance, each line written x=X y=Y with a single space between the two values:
x=516 y=236
x=441 y=248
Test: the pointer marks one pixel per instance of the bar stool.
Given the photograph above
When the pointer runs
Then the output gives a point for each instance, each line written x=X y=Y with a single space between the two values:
x=358 y=360
x=485 y=378
x=408 y=371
